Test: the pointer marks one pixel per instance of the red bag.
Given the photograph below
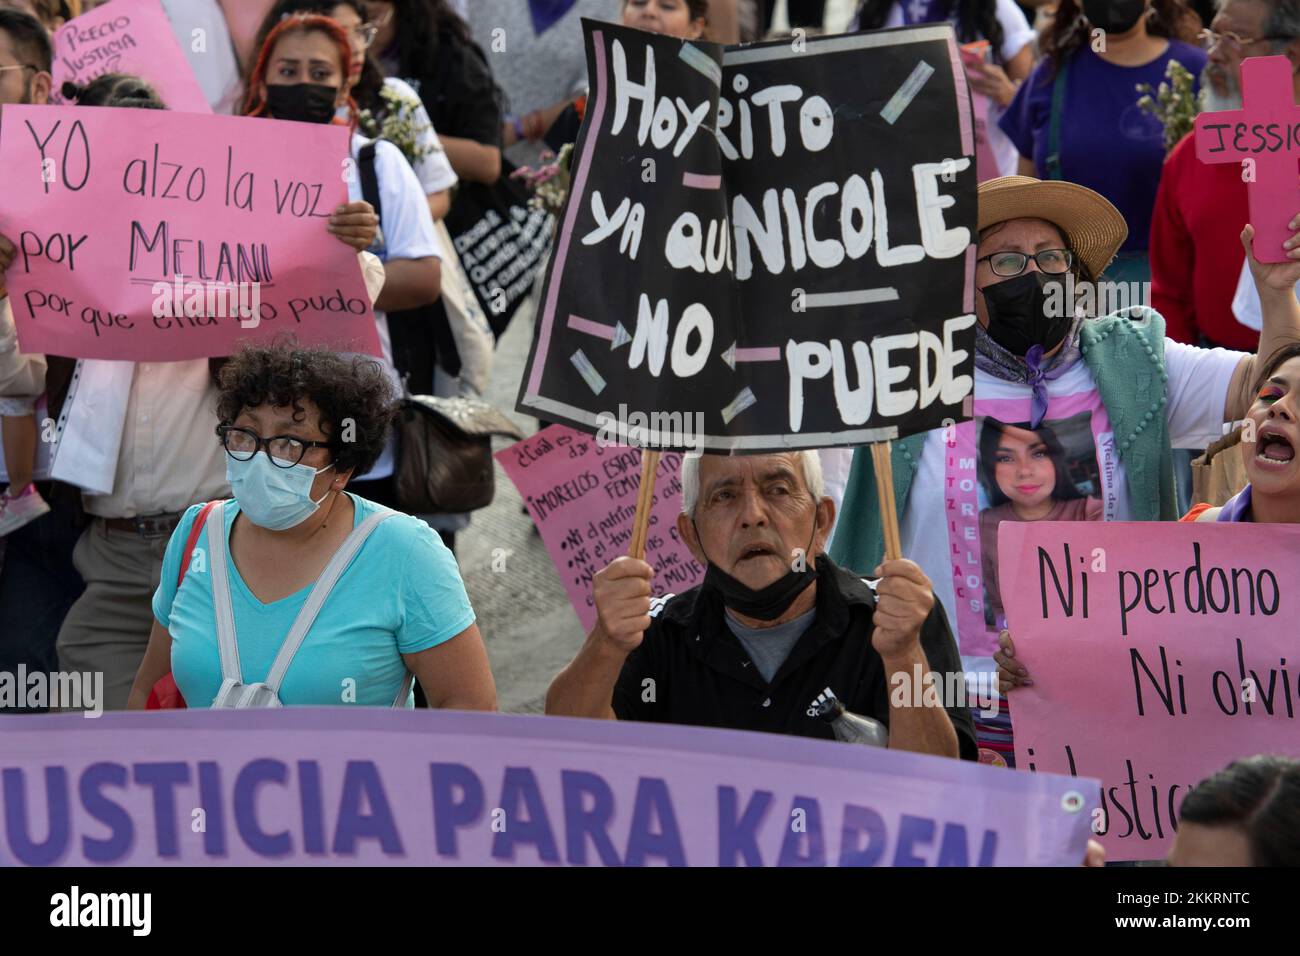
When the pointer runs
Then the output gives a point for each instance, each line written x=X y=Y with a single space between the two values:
x=165 y=695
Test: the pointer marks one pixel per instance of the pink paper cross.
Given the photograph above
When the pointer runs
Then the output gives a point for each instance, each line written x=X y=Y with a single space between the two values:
x=1266 y=131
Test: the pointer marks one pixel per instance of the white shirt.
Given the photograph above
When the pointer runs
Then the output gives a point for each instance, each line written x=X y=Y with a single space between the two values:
x=1016 y=35
x=169 y=457
x=1197 y=390
x=406 y=228
x=215 y=66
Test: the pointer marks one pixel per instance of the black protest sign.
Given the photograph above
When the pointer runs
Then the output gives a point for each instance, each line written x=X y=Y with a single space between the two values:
x=773 y=241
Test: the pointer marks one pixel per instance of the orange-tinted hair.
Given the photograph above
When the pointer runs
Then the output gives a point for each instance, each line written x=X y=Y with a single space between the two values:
x=255 y=104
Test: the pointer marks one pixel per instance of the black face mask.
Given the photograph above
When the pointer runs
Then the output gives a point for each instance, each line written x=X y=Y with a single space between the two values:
x=764 y=605
x=1114 y=16
x=304 y=102
x=1017 y=314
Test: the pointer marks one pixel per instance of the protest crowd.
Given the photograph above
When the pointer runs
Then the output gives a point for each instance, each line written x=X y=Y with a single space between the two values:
x=233 y=509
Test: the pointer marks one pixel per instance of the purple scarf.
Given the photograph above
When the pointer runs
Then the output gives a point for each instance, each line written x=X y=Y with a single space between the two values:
x=1236 y=508
x=546 y=12
x=1038 y=382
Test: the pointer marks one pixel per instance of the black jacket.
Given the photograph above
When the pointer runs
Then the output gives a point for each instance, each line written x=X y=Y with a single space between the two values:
x=691 y=669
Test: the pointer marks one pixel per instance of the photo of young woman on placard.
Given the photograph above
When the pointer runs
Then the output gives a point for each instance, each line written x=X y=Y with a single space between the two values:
x=1045 y=474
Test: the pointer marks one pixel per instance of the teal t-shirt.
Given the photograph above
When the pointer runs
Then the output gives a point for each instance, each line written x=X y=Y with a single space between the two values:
x=401 y=593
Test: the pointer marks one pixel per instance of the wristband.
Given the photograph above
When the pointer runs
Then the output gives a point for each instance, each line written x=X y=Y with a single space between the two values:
x=517 y=125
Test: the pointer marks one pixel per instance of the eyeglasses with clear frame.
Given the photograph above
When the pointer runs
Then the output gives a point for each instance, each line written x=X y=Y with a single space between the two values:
x=1010 y=264
x=285 y=451
x=366 y=33
x=1209 y=39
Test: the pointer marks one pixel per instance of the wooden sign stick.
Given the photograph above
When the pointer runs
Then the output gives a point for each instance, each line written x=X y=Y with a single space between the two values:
x=641 y=522
x=880 y=457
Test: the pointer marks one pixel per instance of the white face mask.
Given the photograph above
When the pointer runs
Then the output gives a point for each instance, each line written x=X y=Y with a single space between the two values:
x=273 y=498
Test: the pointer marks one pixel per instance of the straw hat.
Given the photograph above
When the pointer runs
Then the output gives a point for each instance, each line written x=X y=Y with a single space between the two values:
x=1095 y=228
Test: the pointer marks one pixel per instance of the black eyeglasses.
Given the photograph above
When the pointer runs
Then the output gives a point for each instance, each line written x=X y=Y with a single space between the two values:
x=1010 y=264
x=285 y=451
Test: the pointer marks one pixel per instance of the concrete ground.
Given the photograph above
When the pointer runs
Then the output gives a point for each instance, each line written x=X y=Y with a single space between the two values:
x=530 y=629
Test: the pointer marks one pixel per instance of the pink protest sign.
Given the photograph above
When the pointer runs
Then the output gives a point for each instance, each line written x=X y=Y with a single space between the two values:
x=582 y=495
x=1264 y=137
x=127 y=36
x=1159 y=654
x=145 y=235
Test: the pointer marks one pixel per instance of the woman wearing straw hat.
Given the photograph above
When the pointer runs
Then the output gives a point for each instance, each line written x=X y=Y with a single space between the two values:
x=1035 y=356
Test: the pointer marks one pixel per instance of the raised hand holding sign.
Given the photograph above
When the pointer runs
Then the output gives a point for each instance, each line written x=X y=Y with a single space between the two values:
x=1264 y=137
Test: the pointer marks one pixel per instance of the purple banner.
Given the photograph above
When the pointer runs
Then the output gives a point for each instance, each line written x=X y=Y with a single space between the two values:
x=338 y=786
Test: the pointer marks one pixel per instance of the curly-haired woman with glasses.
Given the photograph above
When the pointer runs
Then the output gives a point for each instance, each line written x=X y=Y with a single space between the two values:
x=296 y=591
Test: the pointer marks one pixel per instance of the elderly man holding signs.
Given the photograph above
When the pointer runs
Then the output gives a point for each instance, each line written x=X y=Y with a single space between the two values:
x=774 y=628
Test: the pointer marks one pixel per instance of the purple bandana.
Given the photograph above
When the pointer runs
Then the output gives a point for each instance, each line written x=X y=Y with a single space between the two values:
x=546 y=12
x=1037 y=377
x=1236 y=508
x=1032 y=370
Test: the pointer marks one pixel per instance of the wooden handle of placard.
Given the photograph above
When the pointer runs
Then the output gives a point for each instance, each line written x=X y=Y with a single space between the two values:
x=641 y=523
x=885 y=493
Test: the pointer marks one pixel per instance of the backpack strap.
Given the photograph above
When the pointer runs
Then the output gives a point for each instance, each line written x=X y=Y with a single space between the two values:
x=195 y=530
x=231 y=672
x=319 y=593
x=369 y=178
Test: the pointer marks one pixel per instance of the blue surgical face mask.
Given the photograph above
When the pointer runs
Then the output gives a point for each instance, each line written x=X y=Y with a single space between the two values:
x=273 y=498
